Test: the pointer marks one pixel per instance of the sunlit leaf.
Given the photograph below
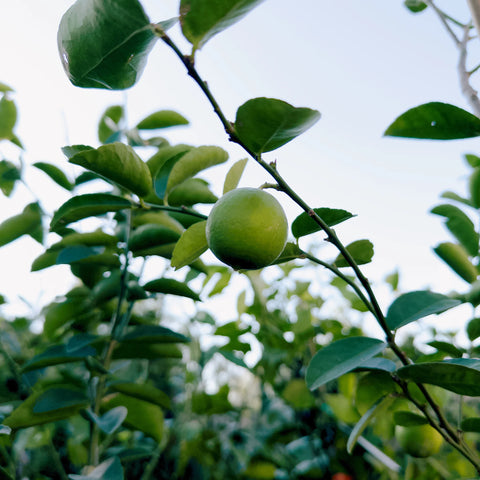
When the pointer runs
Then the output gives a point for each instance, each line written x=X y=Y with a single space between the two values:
x=412 y=306
x=233 y=176
x=9 y=175
x=190 y=246
x=22 y=224
x=162 y=119
x=190 y=192
x=456 y=257
x=340 y=357
x=265 y=124
x=435 y=121
x=304 y=224
x=202 y=19
x=8 y=118
x=84 y=206
x=105 y=43
x=119 y=163
x=361 y=252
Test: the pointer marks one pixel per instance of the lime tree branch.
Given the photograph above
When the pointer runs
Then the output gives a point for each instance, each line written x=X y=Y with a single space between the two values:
x=371 y=302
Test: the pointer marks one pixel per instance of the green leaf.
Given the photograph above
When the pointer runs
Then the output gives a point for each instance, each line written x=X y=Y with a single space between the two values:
x=153 y=334
x=473 y=329
x=58 y=398
x=110 y=469
x=474 y=186
x=455 y=197
x=190 y=246
x=472 y=160
x=290 y=252
x=415 y=6
x=435 y=121
x=57 y=175
x=144 y=392
x=234 y=175
x=9 y=174
x=57 y=355
x=408 y=419
x=190 y=192
x=304 y=224
x=162 y=119
x=447 y=348
x=461 y=227
x=194 y=161
x=119 y=163
x=110 y=421
x=360 y=250
x=150 y=351
x=456 y=257
x=458 y=377
x=172 y=287
x=24 y=223
x=109 y=124
x=265 y=124
x=84 y=206
x=8 y=118
x=105 y=43
x=471 y=425
x=341 y=357
x=24 y=416
x=151 y=235
x=143 y=416
x=376 y=409
x=412 y=306
x=202 y=19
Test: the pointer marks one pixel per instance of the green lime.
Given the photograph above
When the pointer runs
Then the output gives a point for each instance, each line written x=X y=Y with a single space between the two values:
x=419 y=440
x=247 y=229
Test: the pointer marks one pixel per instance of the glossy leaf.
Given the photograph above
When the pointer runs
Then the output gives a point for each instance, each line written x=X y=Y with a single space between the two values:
x=412 y=306
x=265 y=124
x=378 y=363
x=8 y=118
x=339 y=358
x=461 y=227
x=456 y=257
x=87 y=239
x=435 y=121
x=24 y=223
x=190 y=246
x=360 y=250
x=162 y=119
x=109 y=124
x=377 y=409
x=104 y=43
x=84 y=206
x=153 y=334
x=304 y=224
x=202 y=19
x=59 y=397
x=171 y=287
x=110 y=469
x=143 y=416
x=24 y=416
x=144 y=392
x=195 y=161
x=447 y=348
x=458 y=377
x=57 y=355
x=57 y=175
x=120 y=164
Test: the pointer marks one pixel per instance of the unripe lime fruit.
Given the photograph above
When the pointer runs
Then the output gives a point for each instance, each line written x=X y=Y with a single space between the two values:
x=419 y=440
x=247 y=229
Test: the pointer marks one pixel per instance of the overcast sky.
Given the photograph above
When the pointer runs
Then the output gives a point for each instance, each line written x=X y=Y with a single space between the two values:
x=361 y=64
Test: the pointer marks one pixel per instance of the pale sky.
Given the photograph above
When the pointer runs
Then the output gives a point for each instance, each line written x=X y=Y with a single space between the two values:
x=361 y=64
